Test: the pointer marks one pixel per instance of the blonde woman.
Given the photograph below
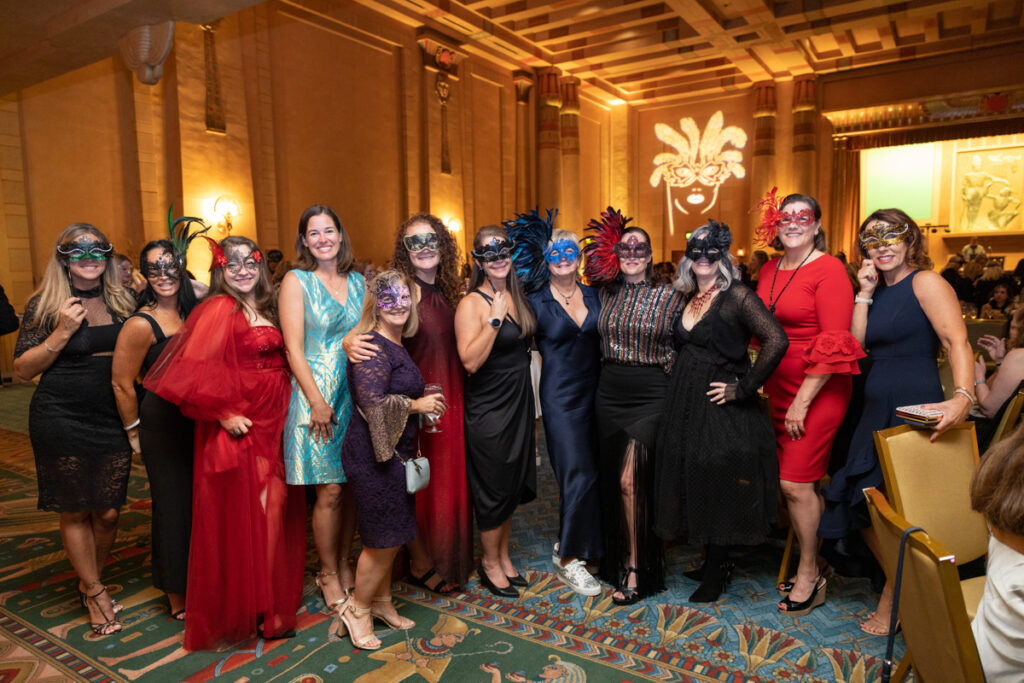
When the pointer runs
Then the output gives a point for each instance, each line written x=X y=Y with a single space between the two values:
x=388 y=394
x=81 y=450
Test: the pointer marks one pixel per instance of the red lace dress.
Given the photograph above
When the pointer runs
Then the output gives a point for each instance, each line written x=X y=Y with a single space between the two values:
x=248 y=531
x=814 y=304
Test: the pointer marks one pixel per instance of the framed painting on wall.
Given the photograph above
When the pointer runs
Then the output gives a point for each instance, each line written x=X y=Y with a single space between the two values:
x=988 y=184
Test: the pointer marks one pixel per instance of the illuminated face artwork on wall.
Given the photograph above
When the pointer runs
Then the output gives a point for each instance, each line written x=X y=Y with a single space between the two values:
x=693 y=174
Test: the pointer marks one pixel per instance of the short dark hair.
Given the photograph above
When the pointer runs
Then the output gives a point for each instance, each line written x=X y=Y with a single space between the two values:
x=275 y=256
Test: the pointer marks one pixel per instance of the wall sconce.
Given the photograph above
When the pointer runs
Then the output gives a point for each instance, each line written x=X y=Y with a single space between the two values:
x=453 y=224
x=741 y=252
x=226 y=209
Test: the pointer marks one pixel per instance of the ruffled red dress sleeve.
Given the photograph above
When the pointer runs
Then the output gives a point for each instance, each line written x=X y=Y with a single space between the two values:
x=834 y=351
x=198 y=370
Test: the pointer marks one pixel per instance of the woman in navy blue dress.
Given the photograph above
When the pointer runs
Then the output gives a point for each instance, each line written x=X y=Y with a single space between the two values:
x=570 y=347
x=900 y=319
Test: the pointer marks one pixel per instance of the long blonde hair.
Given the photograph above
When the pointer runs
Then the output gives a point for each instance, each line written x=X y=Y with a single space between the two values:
x=55 y=287
x=371 y=314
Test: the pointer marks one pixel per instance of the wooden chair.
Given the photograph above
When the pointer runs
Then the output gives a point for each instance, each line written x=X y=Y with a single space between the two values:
x=936 y=627
x=930 y=485
x=1010 y=416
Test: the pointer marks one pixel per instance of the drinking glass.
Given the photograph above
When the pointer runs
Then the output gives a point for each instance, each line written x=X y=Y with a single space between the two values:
x=431 y=418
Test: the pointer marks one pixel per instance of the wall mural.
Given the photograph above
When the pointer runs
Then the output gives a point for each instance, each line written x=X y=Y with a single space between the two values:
x=699 y=166
x=987 y=189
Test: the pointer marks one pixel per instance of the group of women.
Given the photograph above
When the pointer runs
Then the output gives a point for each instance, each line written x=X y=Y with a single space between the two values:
x=654 y=424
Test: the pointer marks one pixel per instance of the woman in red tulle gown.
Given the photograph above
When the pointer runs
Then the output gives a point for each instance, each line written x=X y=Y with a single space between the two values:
x=226 y=370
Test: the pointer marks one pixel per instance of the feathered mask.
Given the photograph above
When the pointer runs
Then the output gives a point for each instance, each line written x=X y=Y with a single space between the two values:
x=713 y=243
x=182 y=234
x=602 y=265
x=531 y=235
x=218 y=259
x=769 y=226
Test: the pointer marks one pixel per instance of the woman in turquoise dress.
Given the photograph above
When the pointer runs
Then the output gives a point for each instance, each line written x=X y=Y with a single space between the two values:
x=320 y=301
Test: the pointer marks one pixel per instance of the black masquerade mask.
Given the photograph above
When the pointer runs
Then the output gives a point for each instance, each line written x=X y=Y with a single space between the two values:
x=84 y=249
x=420 y=241
x=632 y=248
x=496 y=249
x=165 y=266
x=711 y=245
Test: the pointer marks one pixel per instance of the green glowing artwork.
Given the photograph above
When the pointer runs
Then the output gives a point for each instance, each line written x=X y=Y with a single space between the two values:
x=899 y=177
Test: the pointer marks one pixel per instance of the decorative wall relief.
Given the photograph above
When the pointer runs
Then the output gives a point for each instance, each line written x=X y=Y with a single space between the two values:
x=214 y=105
x=693 y=174
x=145 y=48
x=987 y=189
x=440 y=57
x=443 y=90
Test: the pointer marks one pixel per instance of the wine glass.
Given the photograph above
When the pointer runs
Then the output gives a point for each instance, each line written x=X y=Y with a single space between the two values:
x=431 y=418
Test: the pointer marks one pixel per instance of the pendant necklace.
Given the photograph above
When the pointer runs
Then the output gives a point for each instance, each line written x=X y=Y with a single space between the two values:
x=772 y=299
x=562 y=294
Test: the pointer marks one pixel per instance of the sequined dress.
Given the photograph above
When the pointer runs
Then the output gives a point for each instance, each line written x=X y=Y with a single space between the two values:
x=325 y=324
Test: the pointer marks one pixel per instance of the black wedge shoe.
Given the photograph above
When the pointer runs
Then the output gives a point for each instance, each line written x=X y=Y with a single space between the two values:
x=714 y=583
x=506 y=592
x=800 y=609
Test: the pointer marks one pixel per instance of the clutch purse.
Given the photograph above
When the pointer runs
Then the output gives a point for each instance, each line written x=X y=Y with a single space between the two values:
x=917 y=415
x=417 y=473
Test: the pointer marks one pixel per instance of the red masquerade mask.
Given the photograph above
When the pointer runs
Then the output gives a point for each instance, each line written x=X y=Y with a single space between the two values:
x=218 y=260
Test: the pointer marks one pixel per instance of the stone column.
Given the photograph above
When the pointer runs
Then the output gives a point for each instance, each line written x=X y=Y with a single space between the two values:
x=805 y=135
x=763 y=175
x=571 y=212
x=523 y=80
x=549 y=139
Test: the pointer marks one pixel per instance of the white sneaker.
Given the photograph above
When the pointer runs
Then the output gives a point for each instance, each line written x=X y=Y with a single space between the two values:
x=576 y=577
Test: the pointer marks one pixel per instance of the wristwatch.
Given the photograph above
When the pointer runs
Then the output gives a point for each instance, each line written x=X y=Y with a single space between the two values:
x=495 y=322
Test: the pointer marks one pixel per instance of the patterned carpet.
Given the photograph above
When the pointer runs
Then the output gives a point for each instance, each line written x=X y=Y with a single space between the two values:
x=549 y=633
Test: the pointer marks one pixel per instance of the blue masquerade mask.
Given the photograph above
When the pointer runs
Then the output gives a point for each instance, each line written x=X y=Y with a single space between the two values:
x=562 y=250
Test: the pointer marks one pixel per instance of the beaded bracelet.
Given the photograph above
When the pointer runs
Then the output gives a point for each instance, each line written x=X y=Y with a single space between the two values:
x=970 y=397
x=133 y=425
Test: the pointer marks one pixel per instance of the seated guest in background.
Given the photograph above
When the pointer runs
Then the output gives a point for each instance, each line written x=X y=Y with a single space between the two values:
x=82 y=455
x=716 y=473
x=995 y=393
x=902 y=313
x=226 y=369
x=663 y=273
x=382 y=435
x=999 y=304
x=998 y=493
x=757 y=260
x=972 y=250
x=951 y=274
x=1018 y=274
x=156 y=428
x=274 y=259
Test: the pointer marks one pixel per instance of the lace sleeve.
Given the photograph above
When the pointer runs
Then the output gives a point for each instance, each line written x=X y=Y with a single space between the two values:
x=758 y=319
x=385 y=414
x=30 y=335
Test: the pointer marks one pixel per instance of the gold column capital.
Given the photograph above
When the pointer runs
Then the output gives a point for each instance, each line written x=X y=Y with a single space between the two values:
x=440 y=52
x=548 y=90
x=569 y=89
x=805 y=93
x=523 y=81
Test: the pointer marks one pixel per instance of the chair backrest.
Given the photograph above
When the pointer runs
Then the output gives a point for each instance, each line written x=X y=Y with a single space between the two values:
x=930 y=484
x=1010 y=416
x=935 y=624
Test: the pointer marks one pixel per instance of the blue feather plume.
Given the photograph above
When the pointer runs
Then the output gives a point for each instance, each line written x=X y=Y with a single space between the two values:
x=531 y=235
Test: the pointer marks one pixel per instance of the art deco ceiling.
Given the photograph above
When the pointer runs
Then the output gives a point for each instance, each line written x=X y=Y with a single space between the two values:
x=657 y=50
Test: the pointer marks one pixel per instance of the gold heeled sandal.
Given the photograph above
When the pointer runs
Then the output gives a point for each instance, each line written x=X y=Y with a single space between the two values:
x=365 y=643
x=338 y=604
x=404 y=623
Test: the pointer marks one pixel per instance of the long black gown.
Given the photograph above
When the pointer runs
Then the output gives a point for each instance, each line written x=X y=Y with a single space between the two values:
x=166 y=437
x=82 y=454
x=499 y=416
x=571 y=356
x=716 y=472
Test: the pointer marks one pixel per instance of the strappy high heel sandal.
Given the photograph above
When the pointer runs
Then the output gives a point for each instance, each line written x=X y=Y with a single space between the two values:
x=338 y=604
x=370 y=642
x=629 y=595
x=403 y=624
x=104 y=628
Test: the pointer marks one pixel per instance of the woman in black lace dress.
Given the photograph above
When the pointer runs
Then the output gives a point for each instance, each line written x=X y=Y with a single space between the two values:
x=156 y=428
x=82 y=454
x=716 y=472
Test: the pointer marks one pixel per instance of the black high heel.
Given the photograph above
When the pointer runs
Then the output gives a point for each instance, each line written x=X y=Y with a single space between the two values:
x=485 y=581
x=698 y=573
x=713 y=584
x=799 y=609
x=629 y=595
x=517 y=580
x=784 y=587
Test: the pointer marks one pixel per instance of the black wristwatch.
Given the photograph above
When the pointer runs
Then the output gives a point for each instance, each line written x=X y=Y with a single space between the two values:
x=495 y=322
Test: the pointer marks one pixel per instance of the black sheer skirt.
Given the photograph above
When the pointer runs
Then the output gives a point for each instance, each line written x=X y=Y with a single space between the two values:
x=629 y=404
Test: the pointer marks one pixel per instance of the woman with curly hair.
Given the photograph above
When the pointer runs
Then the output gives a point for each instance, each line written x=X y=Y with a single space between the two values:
x=441 y=556
x=903 y=311
x=82 y=454
x=320 y=302
x=226 y=369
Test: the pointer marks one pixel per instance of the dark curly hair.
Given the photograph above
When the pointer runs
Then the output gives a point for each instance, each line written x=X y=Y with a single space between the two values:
x=916 y=256
x=448 y=279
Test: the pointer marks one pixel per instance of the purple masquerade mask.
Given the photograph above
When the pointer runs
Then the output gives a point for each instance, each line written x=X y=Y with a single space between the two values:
x=562 y=250
x=392 y=295
x=632 y=248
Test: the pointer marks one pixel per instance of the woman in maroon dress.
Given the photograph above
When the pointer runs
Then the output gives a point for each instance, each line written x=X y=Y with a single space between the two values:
x=427 y=254
x=226 y=370
x=808 y=292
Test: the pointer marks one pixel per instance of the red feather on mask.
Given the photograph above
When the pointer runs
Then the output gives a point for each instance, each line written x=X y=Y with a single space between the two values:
x=602 y=265
x=769 y=228
x=219 y=259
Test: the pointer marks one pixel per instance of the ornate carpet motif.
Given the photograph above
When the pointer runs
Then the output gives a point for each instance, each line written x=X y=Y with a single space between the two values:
x=549 y=633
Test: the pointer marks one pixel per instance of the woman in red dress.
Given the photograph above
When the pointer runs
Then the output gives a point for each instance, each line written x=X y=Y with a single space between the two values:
x=226 y=370
x=808 y=292
x=441 y=556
